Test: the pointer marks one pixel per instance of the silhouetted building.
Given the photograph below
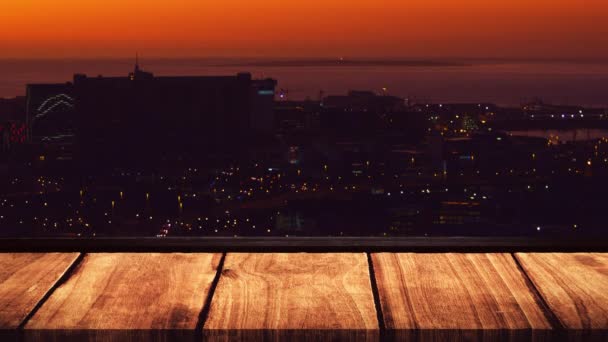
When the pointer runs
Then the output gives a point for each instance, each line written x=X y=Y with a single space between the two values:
x=143 y=119
x=364 y=101
x=294 y=116
x=50 y=112
x=12 y=122
x=360 y=113
x=12 y=109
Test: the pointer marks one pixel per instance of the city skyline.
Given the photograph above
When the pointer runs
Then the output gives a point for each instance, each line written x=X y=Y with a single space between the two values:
x=303 y=170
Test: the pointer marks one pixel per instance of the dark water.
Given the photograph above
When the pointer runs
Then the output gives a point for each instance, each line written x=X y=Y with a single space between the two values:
x=507 y=83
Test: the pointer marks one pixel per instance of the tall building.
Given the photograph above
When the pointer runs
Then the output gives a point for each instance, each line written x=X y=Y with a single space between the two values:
x=143 y=118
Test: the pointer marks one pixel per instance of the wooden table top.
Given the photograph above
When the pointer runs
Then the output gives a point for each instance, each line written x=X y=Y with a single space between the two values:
x=303 y=296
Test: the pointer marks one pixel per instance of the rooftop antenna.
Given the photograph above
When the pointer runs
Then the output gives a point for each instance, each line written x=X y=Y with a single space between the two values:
x=136 y=62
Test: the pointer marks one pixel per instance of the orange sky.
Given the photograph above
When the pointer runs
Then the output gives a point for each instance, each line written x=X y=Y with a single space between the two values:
x=323 y=28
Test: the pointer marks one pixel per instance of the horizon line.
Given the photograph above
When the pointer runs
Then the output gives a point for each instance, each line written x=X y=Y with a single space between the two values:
x=319 y=58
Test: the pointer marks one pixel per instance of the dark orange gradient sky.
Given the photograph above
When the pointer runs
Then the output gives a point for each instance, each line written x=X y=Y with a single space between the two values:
x=323 y=28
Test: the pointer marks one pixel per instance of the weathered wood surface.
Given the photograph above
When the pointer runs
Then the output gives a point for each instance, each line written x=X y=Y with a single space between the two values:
x=291 y=296
x=128 y=296
x=575 y=287
x=456 y=296
x=277 y=296
x=25 y=278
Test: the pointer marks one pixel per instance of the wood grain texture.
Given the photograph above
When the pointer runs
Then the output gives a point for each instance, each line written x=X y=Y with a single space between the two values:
x=125 y=296
x=457 y=296
x=276 y=296
x=25 y=278
x=575 y=286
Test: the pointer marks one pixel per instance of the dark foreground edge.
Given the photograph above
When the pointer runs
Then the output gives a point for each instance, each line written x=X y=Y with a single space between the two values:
x=304 y=244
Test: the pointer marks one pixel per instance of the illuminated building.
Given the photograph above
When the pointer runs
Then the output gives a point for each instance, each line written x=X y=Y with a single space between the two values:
x=50 y=112
x=12 y=123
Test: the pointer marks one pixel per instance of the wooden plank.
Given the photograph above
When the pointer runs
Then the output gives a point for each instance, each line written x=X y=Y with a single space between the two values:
x=126 y=296
x=25 y=278
x=456 y=296
x=286 y=296
x=575 y=287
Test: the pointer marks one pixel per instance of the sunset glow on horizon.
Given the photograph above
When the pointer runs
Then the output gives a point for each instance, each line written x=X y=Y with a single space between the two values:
x=331 y=28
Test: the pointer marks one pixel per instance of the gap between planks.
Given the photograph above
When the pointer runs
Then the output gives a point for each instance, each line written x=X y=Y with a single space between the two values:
x=62 y=279
x=204 y=315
